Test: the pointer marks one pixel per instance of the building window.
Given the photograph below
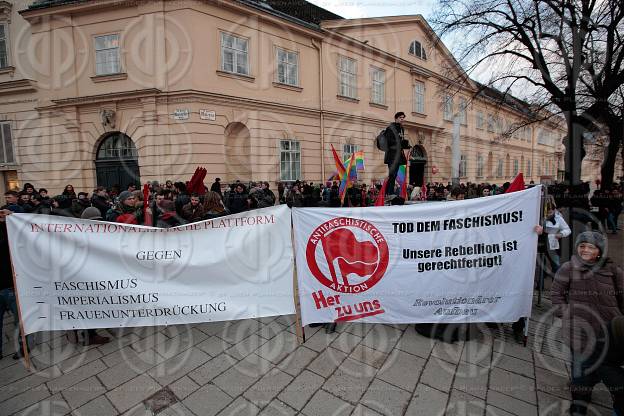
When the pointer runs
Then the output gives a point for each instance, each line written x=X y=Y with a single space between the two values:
x=528 y=167
x=4 y=45
x=516 y=167
x=490 y=123
x=545 y=137
x=463 y=106
x=347 y=71
x=529 y=134
x=549 y=168
x=348 y=150
x=479 y=120
x=117 y=146
x=447 y=107
x=463 y=166
x=6 y=144
x=378 y=86
x=419 y=97
x=287 y=67
x=499 y=168
x=499 y=125
x=107 y=57
x=290 y=160
x=479 y=165
x=417 y=49
x=234 y=54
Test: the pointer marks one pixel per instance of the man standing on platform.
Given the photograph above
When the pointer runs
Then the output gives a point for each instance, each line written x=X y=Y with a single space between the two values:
x=394 y=157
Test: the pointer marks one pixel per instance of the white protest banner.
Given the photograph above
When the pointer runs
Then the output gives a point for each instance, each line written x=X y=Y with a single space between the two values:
x=73 y=273
x=458 y=261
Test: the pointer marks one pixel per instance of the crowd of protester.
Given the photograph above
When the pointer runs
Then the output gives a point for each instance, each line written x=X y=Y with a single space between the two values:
x=170 y=204
x=597 y=295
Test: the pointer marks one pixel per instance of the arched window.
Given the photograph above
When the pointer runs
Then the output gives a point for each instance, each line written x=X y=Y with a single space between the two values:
x=117 y=146
x=417 y=49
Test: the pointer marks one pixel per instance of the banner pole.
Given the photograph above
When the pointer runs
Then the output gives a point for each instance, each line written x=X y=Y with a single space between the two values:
x=298 y=327
x=526 y=331
x=19 y=313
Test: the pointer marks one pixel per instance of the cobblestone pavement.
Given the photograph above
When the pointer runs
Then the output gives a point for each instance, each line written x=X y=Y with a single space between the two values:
x=256 y=366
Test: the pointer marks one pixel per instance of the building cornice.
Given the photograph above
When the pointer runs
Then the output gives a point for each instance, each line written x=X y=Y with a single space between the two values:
x=18 y=86
x=370 y=21
x=71 y=7
x=100 y=98
x=229 y=100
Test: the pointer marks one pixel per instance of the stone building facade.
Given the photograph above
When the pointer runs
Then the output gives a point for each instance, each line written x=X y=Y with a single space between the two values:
x=99 y=93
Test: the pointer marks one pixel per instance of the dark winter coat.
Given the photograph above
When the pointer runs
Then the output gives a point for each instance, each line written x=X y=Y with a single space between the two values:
x=237 y=202
x=265 y=198
x=42 y=208
x=191 y=213
x=169 y=219
x=101 y=203
x=6 y=272
x=395 y=137
x=216 y=187
x=587 y=298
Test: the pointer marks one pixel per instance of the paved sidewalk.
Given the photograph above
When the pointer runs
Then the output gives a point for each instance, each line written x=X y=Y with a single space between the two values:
x=256 y=366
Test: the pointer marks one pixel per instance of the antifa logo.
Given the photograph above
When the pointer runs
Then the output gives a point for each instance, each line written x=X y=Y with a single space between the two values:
x=352 y=256
x=354 y=251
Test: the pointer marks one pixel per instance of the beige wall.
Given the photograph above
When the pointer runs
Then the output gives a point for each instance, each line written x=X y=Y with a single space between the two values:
x=171 y=60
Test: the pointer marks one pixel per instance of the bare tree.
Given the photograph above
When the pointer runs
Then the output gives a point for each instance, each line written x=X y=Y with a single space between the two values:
x=546 y=47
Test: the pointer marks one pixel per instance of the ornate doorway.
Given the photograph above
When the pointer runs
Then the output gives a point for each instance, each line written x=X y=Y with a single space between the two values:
x=418 y=162
x=117 y=161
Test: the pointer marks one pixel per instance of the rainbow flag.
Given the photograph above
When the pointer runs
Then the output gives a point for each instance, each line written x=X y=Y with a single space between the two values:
x=341 y=167
x=347 y=179
x=400 y=177
x=359 y=159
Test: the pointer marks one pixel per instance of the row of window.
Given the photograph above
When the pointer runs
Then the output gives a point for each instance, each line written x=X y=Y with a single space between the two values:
x=290 y=158
x=4 y=45
x=235 y=59
x=6 y=144
x=547 y=167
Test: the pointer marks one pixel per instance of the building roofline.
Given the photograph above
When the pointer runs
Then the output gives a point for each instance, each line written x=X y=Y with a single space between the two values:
x=370 y=21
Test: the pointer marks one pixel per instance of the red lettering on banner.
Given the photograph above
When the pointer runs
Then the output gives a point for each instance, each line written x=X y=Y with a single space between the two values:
x=324 y=302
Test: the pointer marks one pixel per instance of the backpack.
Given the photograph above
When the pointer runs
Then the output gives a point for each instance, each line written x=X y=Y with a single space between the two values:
x=381 y=141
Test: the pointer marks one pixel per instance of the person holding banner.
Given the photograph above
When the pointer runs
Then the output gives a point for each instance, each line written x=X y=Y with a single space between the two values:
x=7 y=291
x=126 y=211
x=556 y=228
x=588 y=294
x=394 y=157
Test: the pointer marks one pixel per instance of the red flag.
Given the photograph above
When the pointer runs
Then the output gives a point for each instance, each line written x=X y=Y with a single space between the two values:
x=353 y=256
x=379 y=202
x=147 y=218
x=517 y=184
x=196 y=184
x=340 y=168
x=423 y=191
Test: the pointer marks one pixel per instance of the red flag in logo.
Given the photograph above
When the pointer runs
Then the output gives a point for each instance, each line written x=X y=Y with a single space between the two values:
x=353 y=256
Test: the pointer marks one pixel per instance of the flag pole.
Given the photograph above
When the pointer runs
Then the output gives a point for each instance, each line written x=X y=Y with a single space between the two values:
x=300 y=331
x=19 y=312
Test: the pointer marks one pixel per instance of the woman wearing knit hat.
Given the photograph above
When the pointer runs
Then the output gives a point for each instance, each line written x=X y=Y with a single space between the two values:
x=588 y=294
